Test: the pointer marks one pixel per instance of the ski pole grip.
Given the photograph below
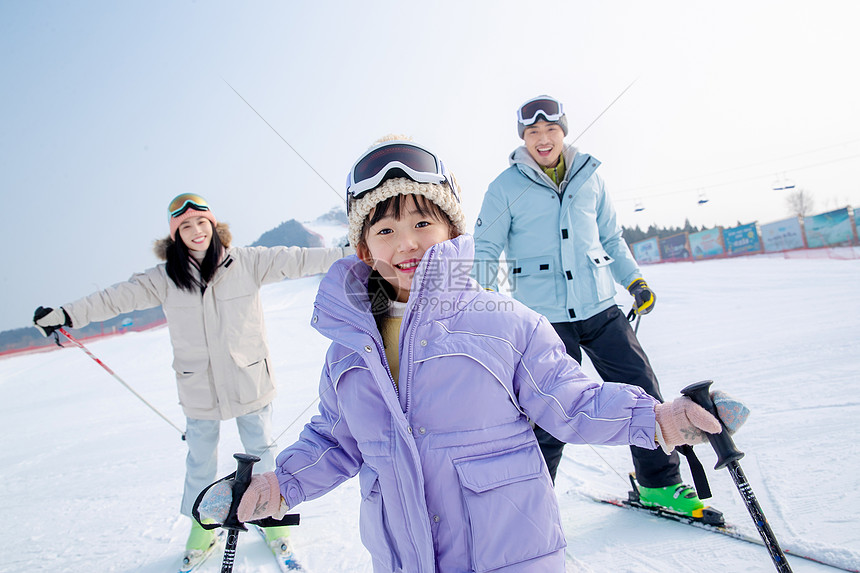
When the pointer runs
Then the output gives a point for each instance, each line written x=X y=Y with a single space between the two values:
x=722 y=443
x=240 y=485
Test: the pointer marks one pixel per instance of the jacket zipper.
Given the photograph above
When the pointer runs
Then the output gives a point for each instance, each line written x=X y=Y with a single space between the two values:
x=391 y=378
x=567 y=180
x=379 y=347
x=412 y=330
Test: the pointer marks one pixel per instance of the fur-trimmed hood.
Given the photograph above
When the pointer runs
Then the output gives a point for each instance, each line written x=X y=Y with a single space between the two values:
x=160 y=245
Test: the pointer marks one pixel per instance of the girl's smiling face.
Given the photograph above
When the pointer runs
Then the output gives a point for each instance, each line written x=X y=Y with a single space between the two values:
x=395 y=244
x=196 y=233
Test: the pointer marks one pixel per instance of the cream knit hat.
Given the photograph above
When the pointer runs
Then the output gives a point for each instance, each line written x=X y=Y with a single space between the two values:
x=440 y=194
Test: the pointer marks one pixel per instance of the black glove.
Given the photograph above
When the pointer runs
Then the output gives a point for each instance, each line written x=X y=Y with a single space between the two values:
x=643 y=297
x=47 y=320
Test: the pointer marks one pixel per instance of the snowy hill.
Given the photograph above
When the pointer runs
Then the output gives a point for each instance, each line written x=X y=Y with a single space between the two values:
x=92 y=478
x=289 y=233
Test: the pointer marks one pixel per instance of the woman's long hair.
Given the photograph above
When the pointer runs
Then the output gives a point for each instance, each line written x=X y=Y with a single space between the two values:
x=179 y=263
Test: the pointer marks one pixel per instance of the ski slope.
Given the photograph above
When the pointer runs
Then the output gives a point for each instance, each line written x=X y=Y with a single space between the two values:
x=92 y=479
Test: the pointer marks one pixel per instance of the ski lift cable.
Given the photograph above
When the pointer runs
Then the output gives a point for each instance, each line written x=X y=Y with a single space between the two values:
x=604 y=111
x=743 y=179
x=299 y=155
x=747 y=166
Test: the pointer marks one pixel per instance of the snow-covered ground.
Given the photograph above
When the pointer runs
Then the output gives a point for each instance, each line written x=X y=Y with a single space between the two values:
x=91 y=478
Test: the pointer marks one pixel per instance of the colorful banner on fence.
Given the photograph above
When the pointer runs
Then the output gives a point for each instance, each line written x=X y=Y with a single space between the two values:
x=782 y=235
x=647 y=251
x=829 y=229
x=743 y=239
x=707 y=244
x=676 y=247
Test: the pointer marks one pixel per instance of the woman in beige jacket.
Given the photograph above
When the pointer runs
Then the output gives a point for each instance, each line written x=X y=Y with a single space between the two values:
x=210 y=295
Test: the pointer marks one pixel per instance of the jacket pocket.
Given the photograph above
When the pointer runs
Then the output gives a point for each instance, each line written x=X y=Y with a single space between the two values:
x=255 y=380
x=533 y=281
x=509 y=491
x=236 y=285
x=195 y=391
x=373 y=525
x=604 y=283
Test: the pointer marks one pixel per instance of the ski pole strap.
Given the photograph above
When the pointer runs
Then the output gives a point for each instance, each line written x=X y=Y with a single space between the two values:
x=195 y=510
x=631 y=316
x=289 y=519
x=634 y=316
x=700 y=479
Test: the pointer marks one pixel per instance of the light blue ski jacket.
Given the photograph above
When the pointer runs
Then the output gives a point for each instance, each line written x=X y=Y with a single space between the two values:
x=450 y=473
x=564 y=250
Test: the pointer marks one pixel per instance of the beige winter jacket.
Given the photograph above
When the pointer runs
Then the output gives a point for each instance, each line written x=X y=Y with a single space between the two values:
x=220 y=353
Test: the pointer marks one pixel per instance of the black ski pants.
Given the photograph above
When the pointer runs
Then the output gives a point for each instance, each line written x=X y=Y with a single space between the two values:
x=617 y=356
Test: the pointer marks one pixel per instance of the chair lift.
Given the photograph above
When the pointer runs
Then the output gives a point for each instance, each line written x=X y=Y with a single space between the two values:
x=638 y=207
x=703 y=198
x=783 y=183
x=778 y=184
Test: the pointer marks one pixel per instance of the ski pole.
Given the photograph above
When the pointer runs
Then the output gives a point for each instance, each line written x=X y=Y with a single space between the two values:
x=238 y=481
x=728 y=456
x=232 y=524
x=77 y=343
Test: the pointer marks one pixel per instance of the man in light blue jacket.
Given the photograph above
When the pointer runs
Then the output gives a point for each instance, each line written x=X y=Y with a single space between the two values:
x=550 y=214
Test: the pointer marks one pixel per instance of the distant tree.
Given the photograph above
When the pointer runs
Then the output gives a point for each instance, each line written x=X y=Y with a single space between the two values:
x=636 y=234
x=633 y=235
x=800 y=202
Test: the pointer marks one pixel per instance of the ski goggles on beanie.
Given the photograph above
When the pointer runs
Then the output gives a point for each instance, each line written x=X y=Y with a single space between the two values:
x=181 y=203
x=392 y=159
x=549 y=107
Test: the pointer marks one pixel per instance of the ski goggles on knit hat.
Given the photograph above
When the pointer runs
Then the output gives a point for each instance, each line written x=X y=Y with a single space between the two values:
x=181 y=203
x=549 y=107
x=395 y=159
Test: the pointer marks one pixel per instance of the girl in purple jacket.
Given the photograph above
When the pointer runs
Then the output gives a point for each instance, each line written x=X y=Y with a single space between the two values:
x=429 y=387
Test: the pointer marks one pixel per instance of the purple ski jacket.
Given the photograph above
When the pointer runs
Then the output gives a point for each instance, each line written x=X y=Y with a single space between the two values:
x=450 y=473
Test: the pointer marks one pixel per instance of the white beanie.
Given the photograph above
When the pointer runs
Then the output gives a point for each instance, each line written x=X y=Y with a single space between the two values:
x=440 y=194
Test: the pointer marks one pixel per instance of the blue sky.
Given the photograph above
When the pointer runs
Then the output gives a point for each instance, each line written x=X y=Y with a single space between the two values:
x=111 y=109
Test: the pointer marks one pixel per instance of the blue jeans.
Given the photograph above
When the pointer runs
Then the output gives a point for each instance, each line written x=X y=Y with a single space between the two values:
x=255 y=431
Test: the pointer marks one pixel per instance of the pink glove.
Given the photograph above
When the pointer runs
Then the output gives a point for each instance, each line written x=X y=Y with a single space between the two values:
x=682 y=421
x=262 y=499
